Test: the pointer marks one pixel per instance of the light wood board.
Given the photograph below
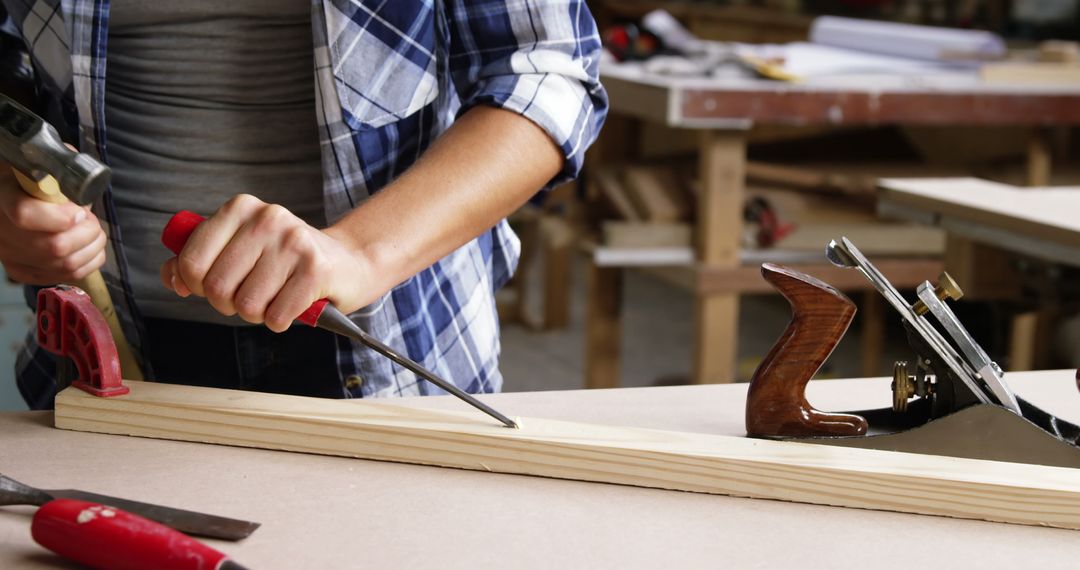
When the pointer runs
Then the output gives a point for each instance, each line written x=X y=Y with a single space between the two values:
x=702 y=463
x=1043 y=213
x=1031 y=73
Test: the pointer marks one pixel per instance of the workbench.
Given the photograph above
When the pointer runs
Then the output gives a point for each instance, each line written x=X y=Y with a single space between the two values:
x=1033 y=223
x=723 y=110
x=329 y=512
x=1036 y=222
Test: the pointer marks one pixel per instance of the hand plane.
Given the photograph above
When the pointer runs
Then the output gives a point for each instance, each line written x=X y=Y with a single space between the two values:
x=953 y=400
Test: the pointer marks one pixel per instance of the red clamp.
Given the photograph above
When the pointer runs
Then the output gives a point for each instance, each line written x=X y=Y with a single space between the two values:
x=68 y=324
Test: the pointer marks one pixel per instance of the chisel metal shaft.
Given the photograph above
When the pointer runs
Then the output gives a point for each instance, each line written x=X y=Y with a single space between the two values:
x=333 y=320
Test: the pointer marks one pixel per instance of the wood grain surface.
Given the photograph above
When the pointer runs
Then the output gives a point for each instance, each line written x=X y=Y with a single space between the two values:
x=702 y=463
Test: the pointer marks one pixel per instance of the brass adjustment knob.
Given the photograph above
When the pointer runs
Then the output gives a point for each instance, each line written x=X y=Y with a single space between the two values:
x=903 y=386
x=946 y=289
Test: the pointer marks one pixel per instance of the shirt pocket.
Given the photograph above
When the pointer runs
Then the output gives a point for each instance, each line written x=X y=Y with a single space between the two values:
x=383 y=58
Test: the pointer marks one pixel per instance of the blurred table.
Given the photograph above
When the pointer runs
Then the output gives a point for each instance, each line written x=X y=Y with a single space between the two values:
x=1037 y=222
x=723 y=111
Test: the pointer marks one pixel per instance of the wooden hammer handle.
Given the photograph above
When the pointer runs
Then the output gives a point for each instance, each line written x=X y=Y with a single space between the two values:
x=94 y=284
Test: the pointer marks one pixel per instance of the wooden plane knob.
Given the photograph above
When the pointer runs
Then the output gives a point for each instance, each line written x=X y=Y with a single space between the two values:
x=776 y=403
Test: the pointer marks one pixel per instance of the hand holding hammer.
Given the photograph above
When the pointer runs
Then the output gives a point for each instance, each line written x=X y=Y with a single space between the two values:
x=46 y=234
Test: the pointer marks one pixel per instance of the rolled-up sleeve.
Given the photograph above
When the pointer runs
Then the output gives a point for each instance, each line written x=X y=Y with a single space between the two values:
x=538 y=58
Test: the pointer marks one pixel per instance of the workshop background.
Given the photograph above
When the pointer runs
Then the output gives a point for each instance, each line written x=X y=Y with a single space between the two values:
x=614 y=287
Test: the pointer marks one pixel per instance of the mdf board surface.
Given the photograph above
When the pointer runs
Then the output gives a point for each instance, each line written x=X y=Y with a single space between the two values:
x=630 y=456
x=1043 y=213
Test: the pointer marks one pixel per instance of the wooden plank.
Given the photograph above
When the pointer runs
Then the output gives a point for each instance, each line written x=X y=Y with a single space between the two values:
x=873 y=239
x=806 y=105
x=638 y=234
x=903 y=273
x=703 y=463
x=656 y=193
x=1030 y=73
x=641 y=100
x=612 y=188
x=806 y=178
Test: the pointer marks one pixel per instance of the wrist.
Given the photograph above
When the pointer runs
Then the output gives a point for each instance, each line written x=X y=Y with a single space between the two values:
x=370 y=260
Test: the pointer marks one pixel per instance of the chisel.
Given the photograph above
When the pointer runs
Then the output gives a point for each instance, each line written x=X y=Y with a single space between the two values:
x=13 y=492
x=325 y=315
x=102 y=536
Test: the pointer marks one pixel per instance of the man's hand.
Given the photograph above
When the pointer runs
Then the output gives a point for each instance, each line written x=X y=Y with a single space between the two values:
x=260 y=261
x=42 y=243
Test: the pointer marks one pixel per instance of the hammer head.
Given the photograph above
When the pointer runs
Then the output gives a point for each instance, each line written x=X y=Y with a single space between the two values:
x=35 y=149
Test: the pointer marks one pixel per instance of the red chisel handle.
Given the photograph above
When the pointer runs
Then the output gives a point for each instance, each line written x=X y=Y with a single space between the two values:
x=183 y=224
x=108 y=538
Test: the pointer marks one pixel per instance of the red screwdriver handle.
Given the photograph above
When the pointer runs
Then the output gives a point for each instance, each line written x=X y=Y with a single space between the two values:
x=108 y=538
x=183 y=224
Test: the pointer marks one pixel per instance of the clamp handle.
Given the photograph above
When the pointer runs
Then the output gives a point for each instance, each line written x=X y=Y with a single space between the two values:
x=179 y=230
x=776 y=404
x=68 y=324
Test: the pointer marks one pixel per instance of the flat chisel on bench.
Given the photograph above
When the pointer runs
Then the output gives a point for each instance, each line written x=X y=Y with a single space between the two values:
x=13 y=492
x=325 y=315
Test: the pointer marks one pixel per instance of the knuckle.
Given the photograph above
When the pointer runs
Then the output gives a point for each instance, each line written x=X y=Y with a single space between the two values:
x=296 y=239
x=276 y=323
x=216 y=288
x=57 y=246
x=250 y=308
x=239 y=201
x=70 y=265
x=191 y=268
x=273 y=213
x=23 y=213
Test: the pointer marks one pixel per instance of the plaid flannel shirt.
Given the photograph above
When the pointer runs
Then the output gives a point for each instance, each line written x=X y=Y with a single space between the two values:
x=390 y=76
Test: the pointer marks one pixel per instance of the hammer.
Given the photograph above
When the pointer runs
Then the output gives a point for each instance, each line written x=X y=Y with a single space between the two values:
x=48 y=170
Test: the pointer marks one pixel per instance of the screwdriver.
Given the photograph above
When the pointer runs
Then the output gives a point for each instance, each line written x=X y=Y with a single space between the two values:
x=100 y=536
x=325 y=315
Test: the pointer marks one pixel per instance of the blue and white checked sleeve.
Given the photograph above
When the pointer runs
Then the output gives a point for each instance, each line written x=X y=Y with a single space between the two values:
x=538 y=58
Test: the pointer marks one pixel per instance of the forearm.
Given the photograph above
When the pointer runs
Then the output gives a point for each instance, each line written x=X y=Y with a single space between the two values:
x=484 y=167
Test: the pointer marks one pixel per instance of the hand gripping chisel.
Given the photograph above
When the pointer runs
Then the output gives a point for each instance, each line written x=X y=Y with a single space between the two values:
x=325 y=315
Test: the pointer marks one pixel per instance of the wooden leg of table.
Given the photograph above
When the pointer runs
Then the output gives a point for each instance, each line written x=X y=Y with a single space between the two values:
x=873 y=333
x=1022 y=341
x=558 y=245
x=602 y=326
x=716 y=329
x=719 y=228
x=1039 y=157
x=1024 y=338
